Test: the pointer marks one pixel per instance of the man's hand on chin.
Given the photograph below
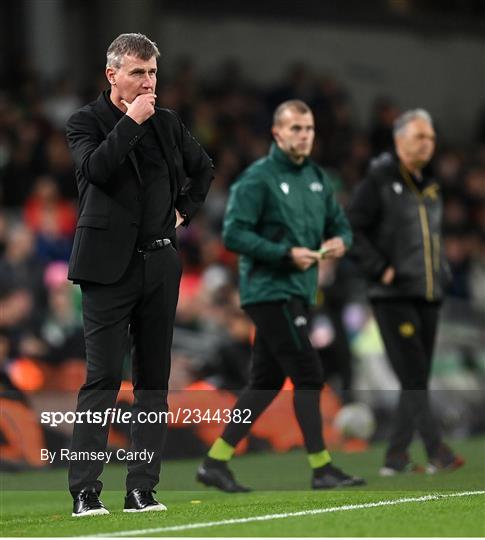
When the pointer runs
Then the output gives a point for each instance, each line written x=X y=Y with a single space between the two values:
x=141 y=108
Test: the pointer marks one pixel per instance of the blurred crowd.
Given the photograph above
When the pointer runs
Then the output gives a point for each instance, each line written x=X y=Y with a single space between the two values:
x=41 y=341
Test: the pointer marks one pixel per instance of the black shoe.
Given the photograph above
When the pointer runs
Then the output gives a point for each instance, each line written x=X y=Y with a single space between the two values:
x=444 y=460
x=219 y=476
x=328 y=476
x=399 y=463
x=87 y=503
x=138 y=500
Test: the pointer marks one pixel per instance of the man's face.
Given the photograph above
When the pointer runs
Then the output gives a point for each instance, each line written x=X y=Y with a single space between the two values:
x=133 y=77
x=294 y=133
x=416 y=142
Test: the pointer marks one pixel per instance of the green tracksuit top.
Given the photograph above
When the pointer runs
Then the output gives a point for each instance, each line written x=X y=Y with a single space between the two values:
x=273 y=206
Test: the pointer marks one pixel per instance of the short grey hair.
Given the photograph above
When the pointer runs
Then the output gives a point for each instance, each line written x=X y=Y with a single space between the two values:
x=133 y=44
x=294 y=104
x=403 y=120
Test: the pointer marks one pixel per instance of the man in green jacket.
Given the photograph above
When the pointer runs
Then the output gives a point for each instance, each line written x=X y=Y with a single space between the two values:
x=282 y=218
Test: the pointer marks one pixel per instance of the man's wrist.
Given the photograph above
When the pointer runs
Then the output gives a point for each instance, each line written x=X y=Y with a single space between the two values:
x=128 y=123
x=134 y=119
x=287 y=258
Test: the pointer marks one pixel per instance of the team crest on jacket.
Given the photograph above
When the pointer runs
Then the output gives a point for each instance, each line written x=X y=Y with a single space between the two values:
x=300 y=321
x=431 y=191
x=316 y=186
x=285 y=188
x=397 y=187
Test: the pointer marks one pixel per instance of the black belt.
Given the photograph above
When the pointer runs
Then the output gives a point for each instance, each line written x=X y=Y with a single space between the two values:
x=153 y=246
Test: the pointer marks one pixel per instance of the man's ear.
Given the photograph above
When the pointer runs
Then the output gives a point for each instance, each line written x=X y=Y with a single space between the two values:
x=110 y=75
x=274 y=132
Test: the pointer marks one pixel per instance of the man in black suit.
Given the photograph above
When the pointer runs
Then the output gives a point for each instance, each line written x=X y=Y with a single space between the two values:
x=140 y=174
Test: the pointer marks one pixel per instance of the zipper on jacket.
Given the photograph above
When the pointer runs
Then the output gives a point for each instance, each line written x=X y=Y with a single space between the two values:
x=427 y=251
x=436 y=252
x=423 y=218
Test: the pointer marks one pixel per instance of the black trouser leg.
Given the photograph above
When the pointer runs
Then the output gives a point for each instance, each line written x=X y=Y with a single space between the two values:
x=152 y=331
x=106 y=316
x=145 y=298
x=408 y=330
x=427 y=425
x=282 y=348
x=266 y=380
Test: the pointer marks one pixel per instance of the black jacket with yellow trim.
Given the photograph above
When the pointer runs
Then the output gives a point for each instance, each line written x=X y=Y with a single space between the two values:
x=396 y=221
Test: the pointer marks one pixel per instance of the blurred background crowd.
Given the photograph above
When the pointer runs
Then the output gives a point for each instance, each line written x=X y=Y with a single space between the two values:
x=41 y=340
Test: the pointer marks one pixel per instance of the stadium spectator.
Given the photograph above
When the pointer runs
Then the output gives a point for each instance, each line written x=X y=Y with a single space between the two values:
x=21 y=278
x=62 y=328
x=62 y=101
x=51 y=218
x=3 y=233
x=457 y=247
x=45 y=198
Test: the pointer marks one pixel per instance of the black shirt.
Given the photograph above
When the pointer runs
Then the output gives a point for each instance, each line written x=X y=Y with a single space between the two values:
x=158 y=212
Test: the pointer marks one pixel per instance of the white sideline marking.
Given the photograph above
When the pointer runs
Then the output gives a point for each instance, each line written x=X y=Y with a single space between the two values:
x=267 y=517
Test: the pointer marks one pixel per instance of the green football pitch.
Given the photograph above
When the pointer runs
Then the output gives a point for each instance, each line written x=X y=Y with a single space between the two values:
x=446 y=504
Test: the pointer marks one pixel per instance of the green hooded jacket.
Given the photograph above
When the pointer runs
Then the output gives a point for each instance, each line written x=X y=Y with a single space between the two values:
x=273 y=206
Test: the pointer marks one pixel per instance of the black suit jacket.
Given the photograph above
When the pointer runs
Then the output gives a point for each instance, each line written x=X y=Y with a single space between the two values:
x=109 y=184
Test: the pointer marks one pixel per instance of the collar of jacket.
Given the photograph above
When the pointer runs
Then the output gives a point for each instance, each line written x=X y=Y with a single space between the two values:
x=282 y=159
x=117 y=112
x=105 y=112
x=388 y=163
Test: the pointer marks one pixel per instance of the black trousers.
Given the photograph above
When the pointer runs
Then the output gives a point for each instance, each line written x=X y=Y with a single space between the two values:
x=408 y=330
x=142 y=303
x=282 y=349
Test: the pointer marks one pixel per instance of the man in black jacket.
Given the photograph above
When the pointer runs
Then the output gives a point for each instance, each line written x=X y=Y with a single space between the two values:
x=132 y=159
x=396 y=219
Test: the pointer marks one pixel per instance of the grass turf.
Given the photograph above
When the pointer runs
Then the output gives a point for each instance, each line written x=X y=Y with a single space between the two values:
x=36 y=504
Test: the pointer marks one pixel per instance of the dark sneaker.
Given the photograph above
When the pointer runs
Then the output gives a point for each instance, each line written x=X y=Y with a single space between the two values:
x=444 y=460
x=219 y=475
x=87 y=503
x=399 y=463
x=138 y=500
x=328 y=476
